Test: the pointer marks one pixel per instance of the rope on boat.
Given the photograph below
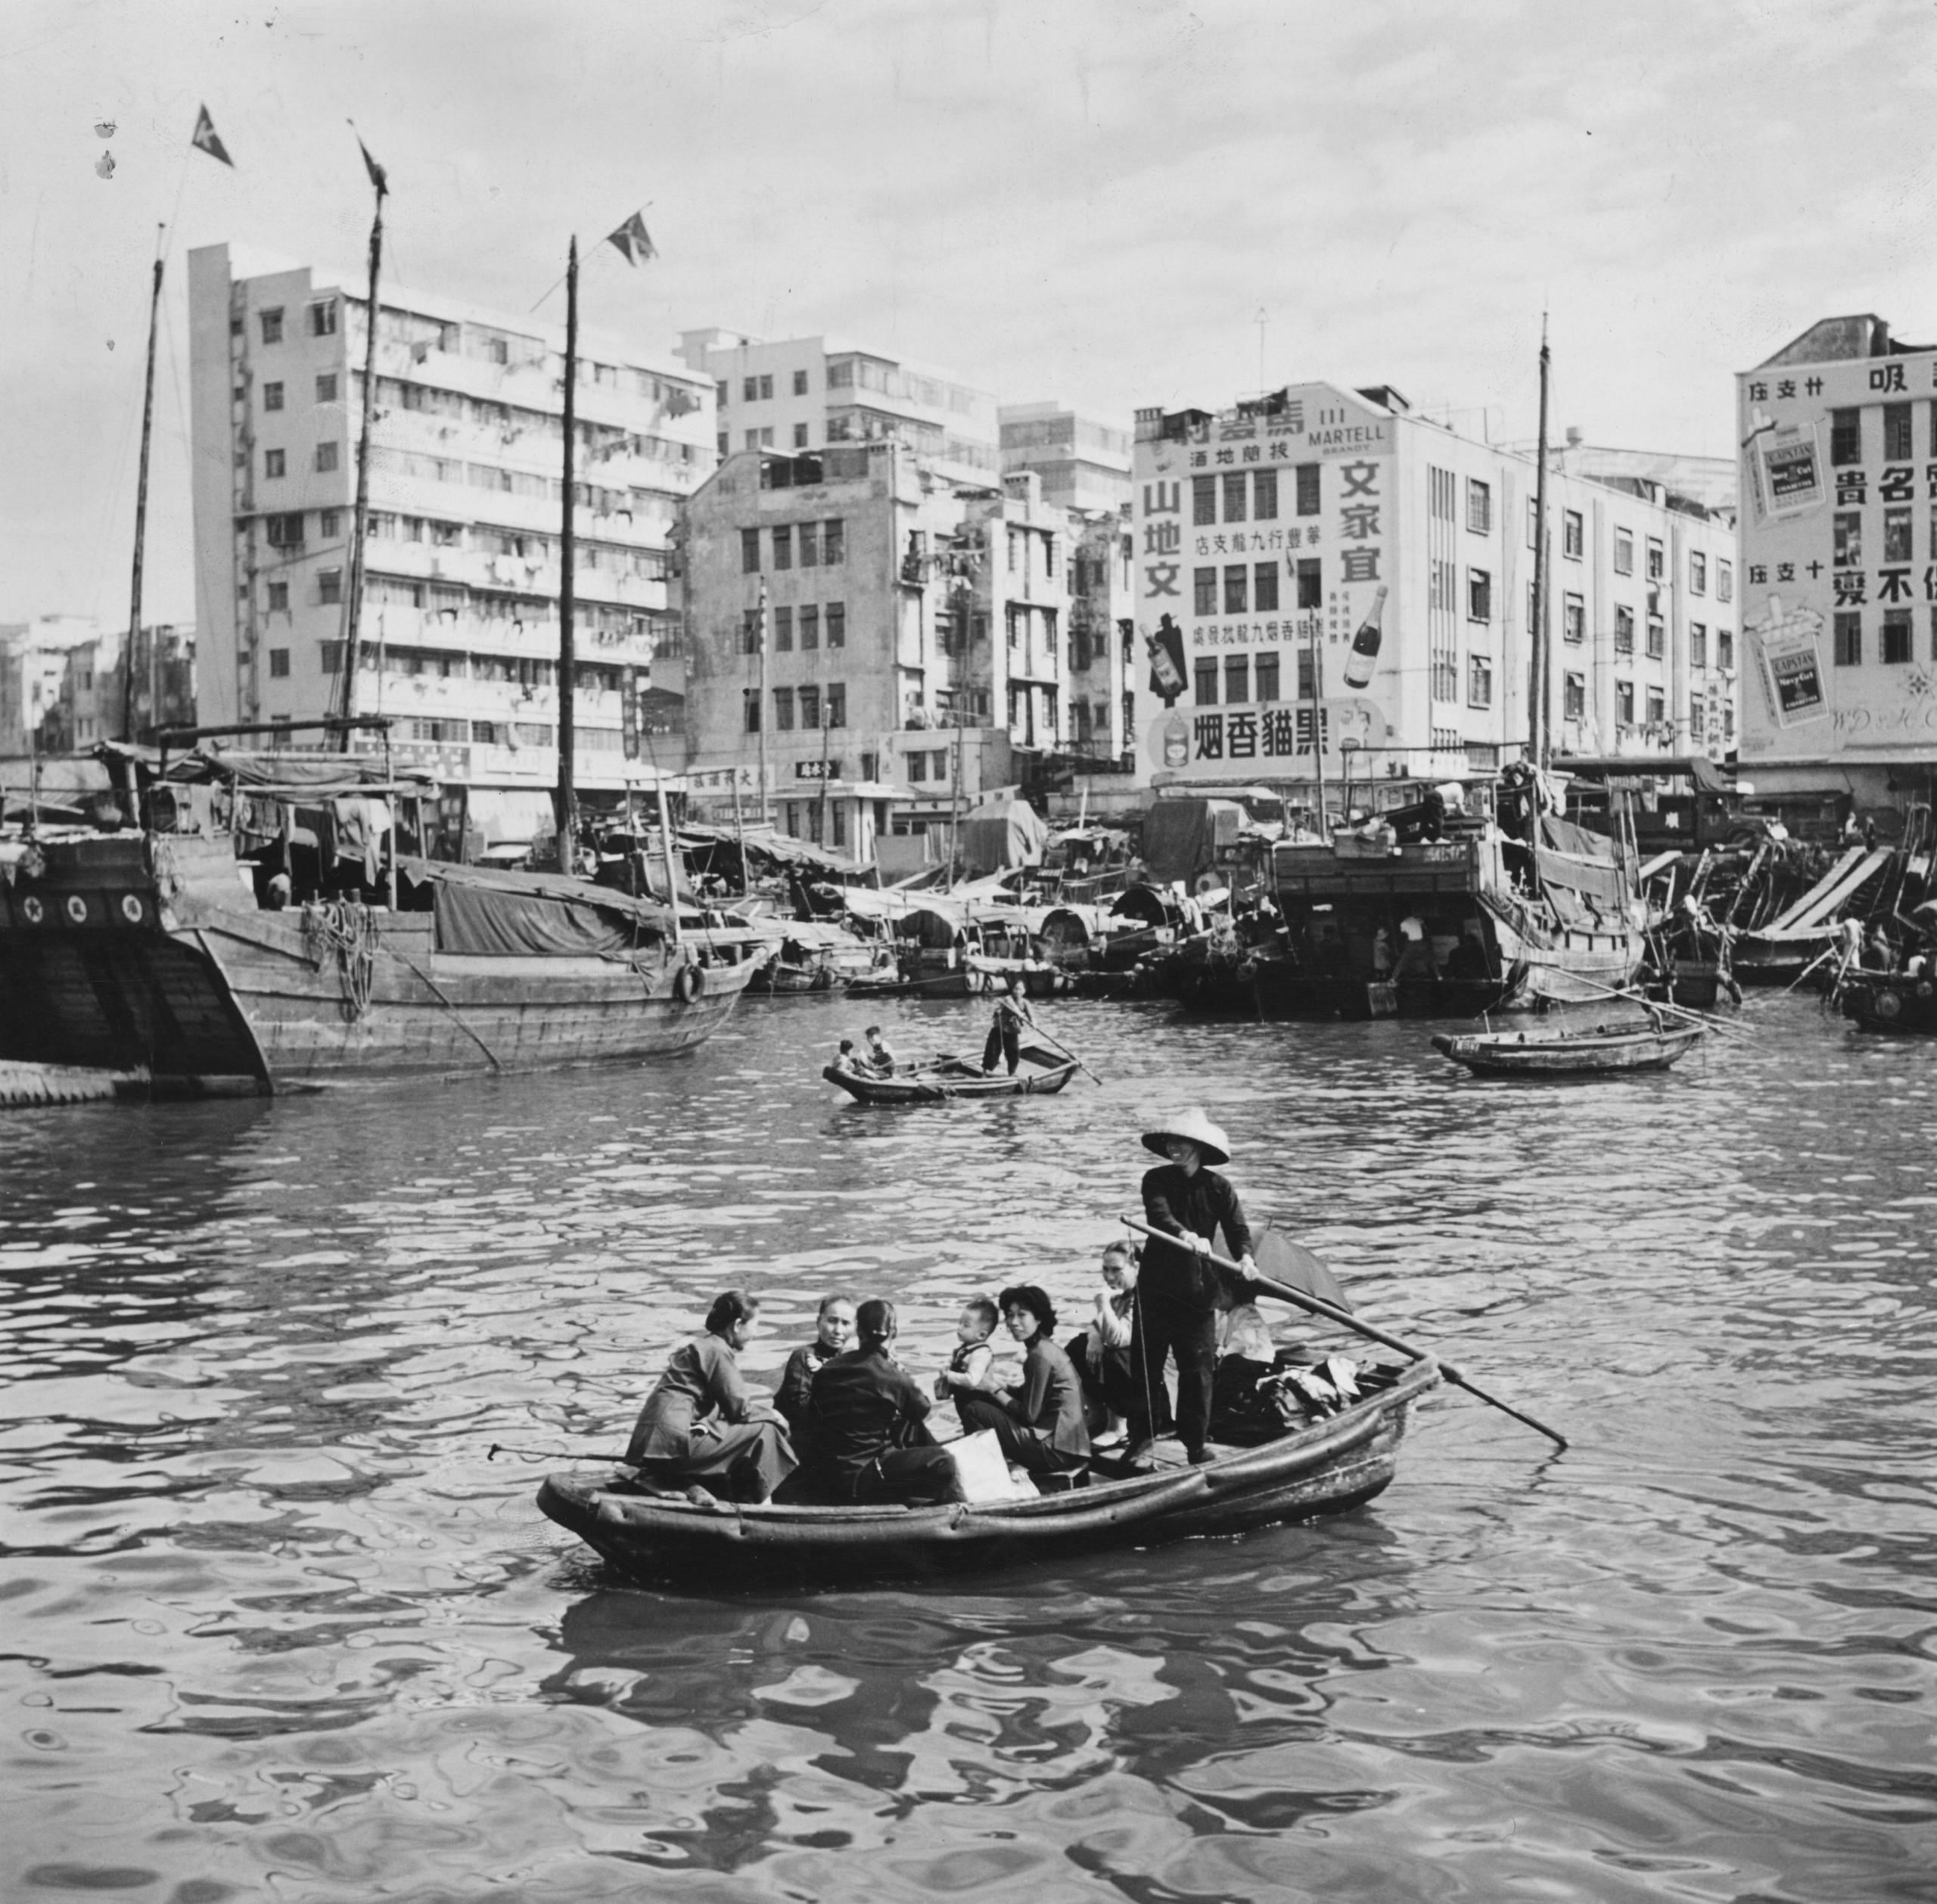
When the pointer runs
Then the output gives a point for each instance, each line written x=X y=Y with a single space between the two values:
x=350 y=931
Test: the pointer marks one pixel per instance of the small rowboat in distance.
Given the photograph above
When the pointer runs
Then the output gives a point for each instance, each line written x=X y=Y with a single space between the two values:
x=1569 y=1054
x=947 y=1078
x=1323 y=1467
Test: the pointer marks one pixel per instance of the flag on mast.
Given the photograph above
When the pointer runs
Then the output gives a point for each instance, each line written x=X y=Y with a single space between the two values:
x=632 y=240
x=204 y=136
x=378 y=177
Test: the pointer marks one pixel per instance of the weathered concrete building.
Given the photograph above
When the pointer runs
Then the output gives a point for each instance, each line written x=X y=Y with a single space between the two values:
x=1083 y=461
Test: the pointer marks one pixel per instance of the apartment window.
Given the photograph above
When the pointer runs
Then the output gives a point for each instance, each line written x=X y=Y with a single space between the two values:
x=1014 y=619
x=284 y=531
x=322 y=319
x=1017 y=555
x=809 y=627
x=278 y=598
x=1849 y=544
x=753 y=439
x=1237 y=678
x=1896 y=435
x=750 y=710
x=1264 y=495
x=1623 y=552
x=1203 y=591
x=1724 y=578
x=1698 y=645
x=1845 y=436
x=1896 y=635
x=811 y=707
x=918 y=766
x=1573 y=701
x=329 y=585
x=329 y=657
x=1267 y=676
x=1657 y=566
x=1264 y=588
x=837 y=704
x=783 y=545
x=833 y=544
x=750 y=552
x=1573 y=538
x=1306 y=477
x=1624 y=704
x=1657 y=636
x=1849 y=639
x=1533 y=523
x=800 y=383
x=1479 y=506
x=1308 y=675
x=1236 y=577
x=1657 y=706
x=1573 y=619
x=836 y=617
x=1724 y=648
x=272 y=397
x=783 y=630
x=749 y=389
x=1624 y=630
x=1203 y=500
x=1206 y=671
x=326 y=456
x=1896 y=535
x=1234 y=486
x=1445 y=685
x=1697 y=713
x=799 y=436
x=1479 y=681
x=272 y=324
x=1310 y=582
x=329 y=523
x=1479 y=595
x=783 y=709
x=809 y=534
x=326 y=386
x=750 y=635
x=273 y=463
x=279 y=664
x=1440 y=492
x=723 y=442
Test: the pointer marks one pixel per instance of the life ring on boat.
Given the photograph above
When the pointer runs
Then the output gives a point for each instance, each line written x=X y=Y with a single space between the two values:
x=31 y=910
x=1887 y=1004
x=131 y=908
x=688 y=982
x=77 y=908
x=1207 y=882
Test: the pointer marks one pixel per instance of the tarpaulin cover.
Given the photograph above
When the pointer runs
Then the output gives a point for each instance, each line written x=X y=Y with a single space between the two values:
x=321 y=774
x=1181 y=837
x=1580 y=861
x=484 y=913
x=1010 y=833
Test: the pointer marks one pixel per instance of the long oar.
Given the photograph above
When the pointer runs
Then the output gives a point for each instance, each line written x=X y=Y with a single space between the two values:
x=1728 y=1027
x=1066 y=1051
x=1285 y=1293
x=498 y=1447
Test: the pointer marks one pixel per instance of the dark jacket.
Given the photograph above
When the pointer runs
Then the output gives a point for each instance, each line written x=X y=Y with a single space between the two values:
x=702 y=1379
x=862 y=1403
x=1050 y=1399
x=1201 y=1205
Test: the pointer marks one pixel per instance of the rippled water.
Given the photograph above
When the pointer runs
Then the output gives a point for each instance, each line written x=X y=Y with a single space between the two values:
x=275 y=1626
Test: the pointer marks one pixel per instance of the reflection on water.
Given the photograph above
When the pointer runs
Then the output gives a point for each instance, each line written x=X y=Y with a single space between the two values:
x=275 y=1624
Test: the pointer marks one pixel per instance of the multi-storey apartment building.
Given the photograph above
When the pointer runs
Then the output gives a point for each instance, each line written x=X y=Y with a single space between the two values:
x=1269 y=534
x=1083 y=462
x=802 y=393
x=48 y=664
x=1839 y=436
x=459 y=627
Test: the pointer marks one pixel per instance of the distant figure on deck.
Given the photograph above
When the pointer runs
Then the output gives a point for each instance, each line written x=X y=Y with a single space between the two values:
x=881 y=1054
x=1176 y=1288
x=847 y=1061
x=1004 y=1039
x=1468 y=959
x=700 y=1426
x=868 y=1434
x=1415 y=951
x=279 y=892
x=834 y=1330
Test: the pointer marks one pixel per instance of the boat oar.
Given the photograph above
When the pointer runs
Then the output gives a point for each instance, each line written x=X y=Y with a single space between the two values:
x=1066 y=1052
x=498 y=1447
x=1285 y=1293
x=1722 y=1024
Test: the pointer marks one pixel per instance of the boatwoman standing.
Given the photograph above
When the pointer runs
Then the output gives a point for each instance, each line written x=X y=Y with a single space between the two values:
x=1176 y=1289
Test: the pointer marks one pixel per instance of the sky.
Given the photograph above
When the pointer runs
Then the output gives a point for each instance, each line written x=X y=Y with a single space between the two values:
x=1111 y=204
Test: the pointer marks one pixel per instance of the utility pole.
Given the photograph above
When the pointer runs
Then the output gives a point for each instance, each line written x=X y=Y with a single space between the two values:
x=565 y=801
x=141 y=525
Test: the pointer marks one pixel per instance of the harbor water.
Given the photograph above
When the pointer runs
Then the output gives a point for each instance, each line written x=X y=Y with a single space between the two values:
x=276 y=1627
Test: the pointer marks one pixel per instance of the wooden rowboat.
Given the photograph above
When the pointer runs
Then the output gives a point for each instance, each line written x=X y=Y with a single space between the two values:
x=1569 y=1054
x=1324 y=1467
x=938 y=1084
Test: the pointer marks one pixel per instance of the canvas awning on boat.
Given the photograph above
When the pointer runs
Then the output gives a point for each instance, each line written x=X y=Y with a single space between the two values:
x=487 y=912
x=317 y=777
x=1572 y=858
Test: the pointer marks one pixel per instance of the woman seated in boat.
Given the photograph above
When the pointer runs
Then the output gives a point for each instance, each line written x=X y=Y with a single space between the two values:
x=701 y=1428
x=868 y=1437
x=1101 y=1355
x=834 y=1329
x=1040 y=1422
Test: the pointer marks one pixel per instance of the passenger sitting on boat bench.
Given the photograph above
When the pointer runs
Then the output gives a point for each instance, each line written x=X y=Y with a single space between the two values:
x=846 y=1059
x=968 y=1366
x=1039 y=1423
x=700 y=1426
x=834 y=1329
x=867 y=1424
x=881 y=1054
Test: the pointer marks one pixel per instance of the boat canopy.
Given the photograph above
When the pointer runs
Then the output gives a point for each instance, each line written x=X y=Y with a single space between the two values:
x=1576 y=860
x=1697 y=768
x=489 y=912
x=316 y=775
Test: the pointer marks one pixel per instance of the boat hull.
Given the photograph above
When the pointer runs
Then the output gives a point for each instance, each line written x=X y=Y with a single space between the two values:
x=935 y=1088
x=1575 y=1055
x=1325 y=1468
x=1885 y=1001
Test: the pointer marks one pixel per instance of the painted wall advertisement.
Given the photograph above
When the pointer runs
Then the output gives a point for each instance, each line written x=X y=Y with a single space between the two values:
x=1262 y=540
x=1839 y=559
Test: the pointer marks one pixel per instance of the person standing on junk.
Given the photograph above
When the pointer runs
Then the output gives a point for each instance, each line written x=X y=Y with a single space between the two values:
x=1004 y=1039
x=1176 y=1313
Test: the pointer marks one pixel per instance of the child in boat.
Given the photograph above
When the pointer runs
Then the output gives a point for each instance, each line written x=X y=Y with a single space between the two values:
x=846 y=1061
x=881 y=1054
x=834 y=1330
x=969 y=1366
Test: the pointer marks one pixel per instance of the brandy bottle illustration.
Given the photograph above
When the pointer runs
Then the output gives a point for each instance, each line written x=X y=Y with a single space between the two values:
x=1364 y=657
x=1166 y=651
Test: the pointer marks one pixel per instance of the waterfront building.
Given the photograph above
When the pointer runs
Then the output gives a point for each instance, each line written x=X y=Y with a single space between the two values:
x=1083 y=462
x=1272 y=535
x=459 y=627
x=48 y=668
x=803 y=393
x=1839 y=437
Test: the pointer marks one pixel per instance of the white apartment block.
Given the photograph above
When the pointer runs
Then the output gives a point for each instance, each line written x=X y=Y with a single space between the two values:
x=803 y=394
x=459 y=635
x=1082 y=461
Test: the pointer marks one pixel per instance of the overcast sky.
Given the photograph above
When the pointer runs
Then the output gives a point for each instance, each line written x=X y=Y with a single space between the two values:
x=1092 y=201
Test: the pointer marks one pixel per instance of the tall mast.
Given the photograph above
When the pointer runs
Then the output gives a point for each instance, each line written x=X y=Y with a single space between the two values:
x=140 y=524
x=359 y=521
x=565 y=800
x=1318 y=723
x=766 y=812
x=1536 y=716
